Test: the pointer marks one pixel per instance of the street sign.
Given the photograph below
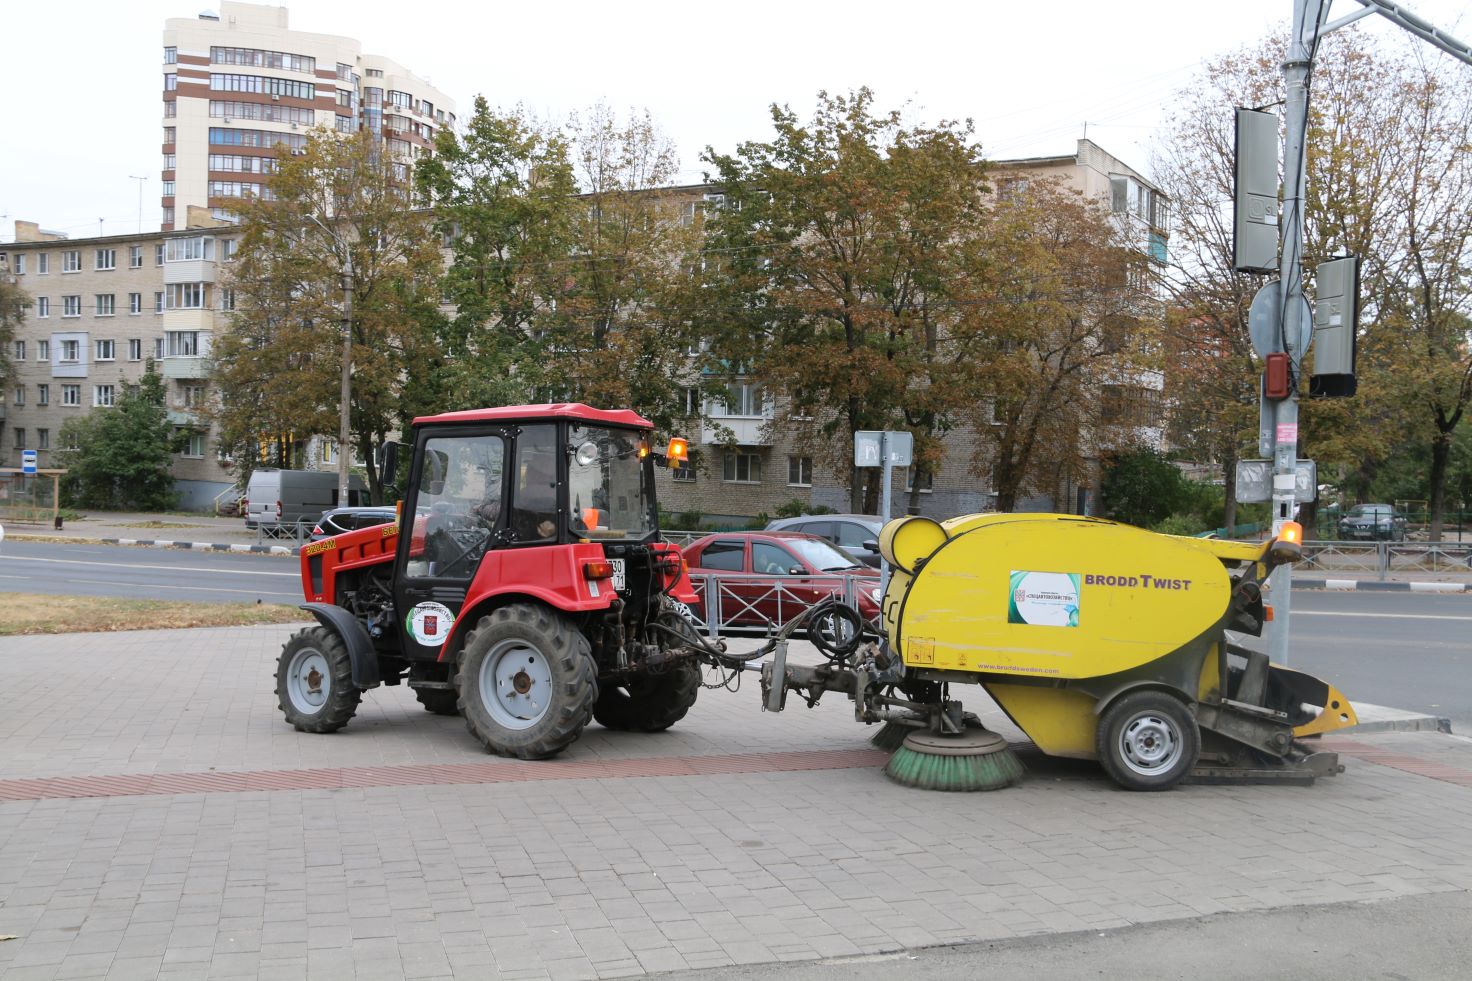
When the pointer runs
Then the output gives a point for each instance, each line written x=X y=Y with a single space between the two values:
x=1255 y=481
x=27 y=461
x=1265 y=324
x=868 y=450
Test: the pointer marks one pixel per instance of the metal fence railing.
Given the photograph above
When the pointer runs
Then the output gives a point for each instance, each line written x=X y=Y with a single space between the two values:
x=1381 y=559
x=1456 y=526
x=746 y=601
x=297 y=532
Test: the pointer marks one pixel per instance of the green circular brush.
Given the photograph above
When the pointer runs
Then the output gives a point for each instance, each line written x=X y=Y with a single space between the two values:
x=974 y=760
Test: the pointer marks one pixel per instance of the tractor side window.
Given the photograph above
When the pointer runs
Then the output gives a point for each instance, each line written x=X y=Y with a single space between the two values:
x=534 y=500
x=457 y=506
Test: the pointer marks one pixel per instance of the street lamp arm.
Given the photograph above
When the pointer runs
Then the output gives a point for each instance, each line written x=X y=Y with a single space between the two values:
x=1430 y=33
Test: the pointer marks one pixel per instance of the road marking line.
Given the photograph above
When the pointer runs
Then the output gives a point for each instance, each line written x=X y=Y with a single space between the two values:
x=162 y=568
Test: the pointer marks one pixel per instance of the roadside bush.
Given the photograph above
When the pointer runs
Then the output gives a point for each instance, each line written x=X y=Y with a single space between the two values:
x=1183 y=524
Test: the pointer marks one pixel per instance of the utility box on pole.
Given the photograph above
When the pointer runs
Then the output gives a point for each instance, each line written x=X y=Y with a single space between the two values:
x=1255 y=193
x=1336 y=316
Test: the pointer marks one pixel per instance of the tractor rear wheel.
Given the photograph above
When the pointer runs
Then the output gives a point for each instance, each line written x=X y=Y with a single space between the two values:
x=314 y=681
x=440 y=701
x=650 y=702
x=1148 y=740
x=526 y=682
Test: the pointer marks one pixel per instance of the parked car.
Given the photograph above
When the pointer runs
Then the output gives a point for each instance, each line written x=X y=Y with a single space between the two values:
x=1372 y=522
x=275 y=498
x=335 y=521
x=770 y=577
x=854 y=533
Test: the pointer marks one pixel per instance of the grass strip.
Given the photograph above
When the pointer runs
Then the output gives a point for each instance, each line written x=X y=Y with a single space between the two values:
x=39 y=613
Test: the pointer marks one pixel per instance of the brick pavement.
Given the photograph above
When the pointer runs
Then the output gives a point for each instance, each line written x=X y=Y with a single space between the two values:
x=607 y=875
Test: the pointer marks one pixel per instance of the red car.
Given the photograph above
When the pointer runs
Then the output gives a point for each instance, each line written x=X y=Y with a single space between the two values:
x=766 y=578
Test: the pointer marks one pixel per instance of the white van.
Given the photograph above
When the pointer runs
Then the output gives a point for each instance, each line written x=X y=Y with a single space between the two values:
x=274 y=498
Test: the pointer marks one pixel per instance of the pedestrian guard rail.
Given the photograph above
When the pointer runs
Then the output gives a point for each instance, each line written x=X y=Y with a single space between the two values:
x=1382 y=559
x=748 y=601
x=299 y=531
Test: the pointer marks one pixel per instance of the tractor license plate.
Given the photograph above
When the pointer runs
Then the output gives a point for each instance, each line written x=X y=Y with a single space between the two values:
x=618 y=573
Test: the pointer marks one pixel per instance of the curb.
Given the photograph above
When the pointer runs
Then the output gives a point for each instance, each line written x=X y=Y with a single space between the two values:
x=205 y=546
x=1375 y=584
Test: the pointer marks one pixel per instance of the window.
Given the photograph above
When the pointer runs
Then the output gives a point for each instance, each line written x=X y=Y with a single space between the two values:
x=194 y=447
x=264 y=84
x=107 y=258
x=194 y=397
x=158 y=254
x=71 y=352
x=43 y=439
x=742 y=468
x=171 y=161
x=71 y=306
x=20 y=395
x=171 y=55
x=684 y=473
x=927 y=481
x=71 y=395
x=182 y=344
x=43 y=350
x=135 y=257
x=171 y=109
x=799 y=471
x=135 y=303
x=43 y=263
x=135 y=349
x=20 y=350
x=741 y=399
x=271 y=112
x=690 y=402
x=20 y=265
x=401 y=99
x=228 y=248
x=102 y=395
x=219 y=136
x=238 y=164
x=168 y=189
x=772 y=560
x=106 y=304
x=185 y=296
x=158 y=303
x=171 y=81
x=107 y=350
x=43 y=306
x=721 y=554
x=158 y=348
x=169 y=134
x=71 y=260
x=43 y=394
x=187 y=249
x=258 y=58
x=20 y=438
x=227 y=299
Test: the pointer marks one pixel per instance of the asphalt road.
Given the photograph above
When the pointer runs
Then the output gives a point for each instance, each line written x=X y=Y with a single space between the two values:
x=1410 y=651
x=147 y=573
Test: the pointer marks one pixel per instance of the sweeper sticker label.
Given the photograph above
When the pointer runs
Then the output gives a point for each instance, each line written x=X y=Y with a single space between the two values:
x=1045 y=599
x=430 y=623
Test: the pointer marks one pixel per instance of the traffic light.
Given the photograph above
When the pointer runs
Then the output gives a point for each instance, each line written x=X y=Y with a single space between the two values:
x=1336 y=317
x=1255 y=193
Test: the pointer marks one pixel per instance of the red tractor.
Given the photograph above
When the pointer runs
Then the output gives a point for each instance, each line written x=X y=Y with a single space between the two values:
x=531 y=593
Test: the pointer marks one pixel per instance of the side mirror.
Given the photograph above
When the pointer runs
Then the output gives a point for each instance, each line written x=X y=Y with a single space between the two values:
x=871 y=547
x=388 y=462
x=797 y=570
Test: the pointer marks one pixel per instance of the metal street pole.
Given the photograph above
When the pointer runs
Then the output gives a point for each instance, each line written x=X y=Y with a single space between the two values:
x=344 y=422
x=1307 y=15
x=884 y=504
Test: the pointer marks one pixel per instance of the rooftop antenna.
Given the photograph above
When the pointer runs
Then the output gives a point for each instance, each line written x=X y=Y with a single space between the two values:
x=99 y=228
x=140 y=181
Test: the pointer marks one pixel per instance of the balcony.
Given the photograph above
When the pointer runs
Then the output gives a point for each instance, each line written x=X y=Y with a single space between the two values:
x=189 y=271
x=184 y=367
x=745 y=430
x=182 y=417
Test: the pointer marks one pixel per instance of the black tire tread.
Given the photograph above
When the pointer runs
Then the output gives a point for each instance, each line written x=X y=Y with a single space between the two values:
x=343 y=700
x=567 y=652
x=440 y=701
x=668 y=700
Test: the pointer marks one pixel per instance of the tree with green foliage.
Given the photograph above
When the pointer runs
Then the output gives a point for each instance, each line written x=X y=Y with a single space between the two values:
x=1141 y=487
x=340 y=203
x=13 y=304
x=122 y=457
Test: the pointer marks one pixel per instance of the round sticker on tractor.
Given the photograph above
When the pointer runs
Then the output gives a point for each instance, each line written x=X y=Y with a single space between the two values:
x=1047 y=599
x=430 y=623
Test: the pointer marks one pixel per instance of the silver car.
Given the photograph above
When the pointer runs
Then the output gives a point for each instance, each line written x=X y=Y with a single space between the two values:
x=857 y=534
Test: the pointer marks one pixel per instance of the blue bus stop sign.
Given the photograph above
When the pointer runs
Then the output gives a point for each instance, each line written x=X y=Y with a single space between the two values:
x=27 y=461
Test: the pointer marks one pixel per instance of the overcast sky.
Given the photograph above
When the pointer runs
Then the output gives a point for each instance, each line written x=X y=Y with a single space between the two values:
x=82 y=79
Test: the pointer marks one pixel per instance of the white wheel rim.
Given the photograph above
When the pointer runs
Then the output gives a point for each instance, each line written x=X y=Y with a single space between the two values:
x=308 y=681
x=515 y=684
x=1150 y=743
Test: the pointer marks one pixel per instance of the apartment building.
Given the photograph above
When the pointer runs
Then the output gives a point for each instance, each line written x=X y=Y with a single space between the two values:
x=240 y=82
x=746 y=465
x=101 y=310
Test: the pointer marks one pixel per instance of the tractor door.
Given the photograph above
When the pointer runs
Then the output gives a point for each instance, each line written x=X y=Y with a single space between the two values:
x=452 y=514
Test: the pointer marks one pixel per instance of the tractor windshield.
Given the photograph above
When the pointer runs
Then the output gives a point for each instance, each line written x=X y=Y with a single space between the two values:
x=607 y=486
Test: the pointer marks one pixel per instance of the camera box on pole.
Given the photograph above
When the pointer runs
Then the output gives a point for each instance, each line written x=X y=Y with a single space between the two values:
x=1255 y=194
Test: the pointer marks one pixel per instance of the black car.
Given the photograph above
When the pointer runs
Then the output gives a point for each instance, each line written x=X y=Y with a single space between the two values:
x=857 y=534
x=1373 y=522
x=335 y=521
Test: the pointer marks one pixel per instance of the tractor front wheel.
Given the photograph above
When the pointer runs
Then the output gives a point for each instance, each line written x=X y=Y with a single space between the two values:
x=526 y=682
x=314 y=681
x=650 y=702
x=1148 y=740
